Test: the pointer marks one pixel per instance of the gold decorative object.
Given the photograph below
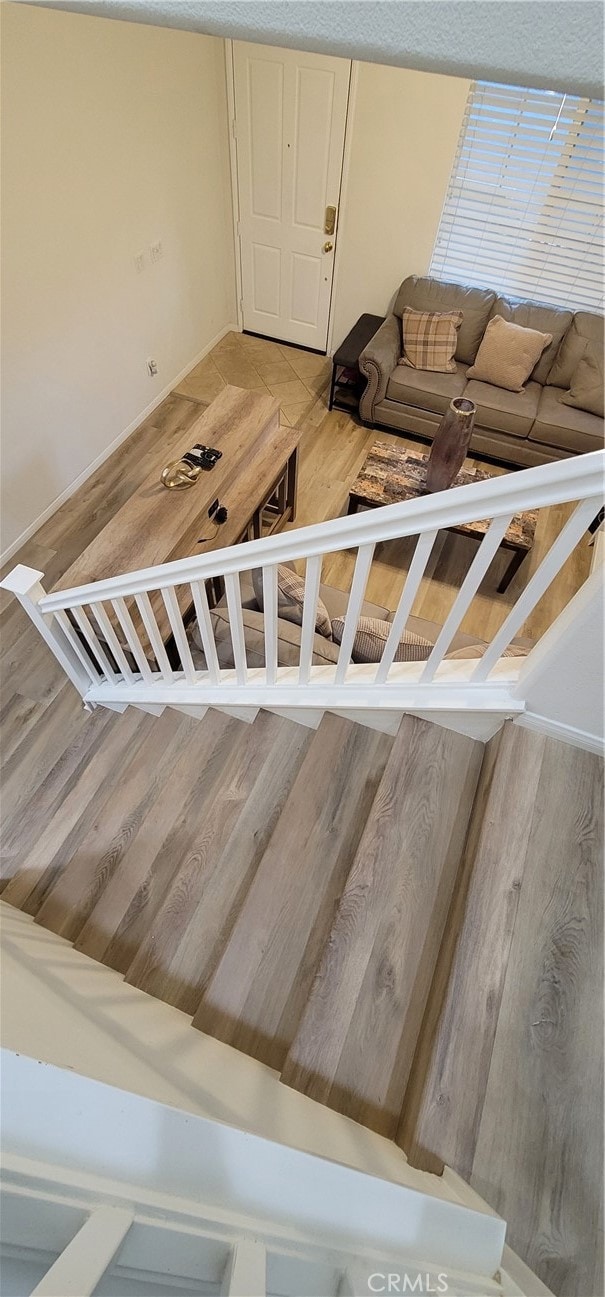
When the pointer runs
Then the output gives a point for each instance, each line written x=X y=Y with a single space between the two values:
x=180 y=475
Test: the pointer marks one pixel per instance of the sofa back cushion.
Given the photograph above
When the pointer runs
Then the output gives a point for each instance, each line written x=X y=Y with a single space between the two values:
x=587 y=383
x=585 y=327
x=546 y=319
x=422 y=293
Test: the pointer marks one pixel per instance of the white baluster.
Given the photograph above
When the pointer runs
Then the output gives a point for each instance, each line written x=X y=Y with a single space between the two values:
x=105 y=625
x=71 y=634
x=551 y=564
x=418 y=564
x=153 y=634
x=236 y=625
x=204 y=621
x=132 y=639
x=467 y=591
x=90 y=635
x=81 y=1265
x=360 y=577
x=311 y=595
x=24 y=583
x=270 y=615
x=171 y=604
x=246 y=1271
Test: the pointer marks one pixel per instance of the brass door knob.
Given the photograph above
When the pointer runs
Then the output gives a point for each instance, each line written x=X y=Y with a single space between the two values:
x=328 y=247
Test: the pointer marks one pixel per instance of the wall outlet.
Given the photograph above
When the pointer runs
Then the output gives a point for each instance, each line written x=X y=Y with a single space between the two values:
x=156 y=251
x=139 y=262
x=152 y=368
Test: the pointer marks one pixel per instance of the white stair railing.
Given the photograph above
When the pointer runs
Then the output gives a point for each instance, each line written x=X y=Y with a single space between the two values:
x=111 y=636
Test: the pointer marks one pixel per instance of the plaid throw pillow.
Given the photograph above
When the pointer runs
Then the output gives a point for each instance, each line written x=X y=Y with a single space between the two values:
x=430 y=339
x=371 y=636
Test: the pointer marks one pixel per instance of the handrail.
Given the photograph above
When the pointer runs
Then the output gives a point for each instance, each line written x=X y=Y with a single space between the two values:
x=578 y=478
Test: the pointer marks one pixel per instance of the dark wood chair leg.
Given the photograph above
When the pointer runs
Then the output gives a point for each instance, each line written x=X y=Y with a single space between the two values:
x=512 y=568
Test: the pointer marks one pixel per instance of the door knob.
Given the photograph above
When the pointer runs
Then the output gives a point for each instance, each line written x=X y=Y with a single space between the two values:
x=328 y=247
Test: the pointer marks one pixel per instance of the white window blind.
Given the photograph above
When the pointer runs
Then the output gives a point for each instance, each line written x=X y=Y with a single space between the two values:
x=524 y=208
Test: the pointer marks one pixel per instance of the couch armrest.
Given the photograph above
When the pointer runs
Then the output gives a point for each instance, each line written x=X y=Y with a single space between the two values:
x=377 y=362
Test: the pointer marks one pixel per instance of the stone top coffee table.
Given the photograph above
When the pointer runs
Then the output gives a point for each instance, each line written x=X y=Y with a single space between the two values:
x=391 y=475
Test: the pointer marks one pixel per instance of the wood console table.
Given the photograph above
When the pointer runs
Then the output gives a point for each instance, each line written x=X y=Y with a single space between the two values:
x=255 y=480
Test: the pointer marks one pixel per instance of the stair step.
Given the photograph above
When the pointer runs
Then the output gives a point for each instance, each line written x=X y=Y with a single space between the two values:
x=21 y=830
x=83 y=876
x=519 y=983
x=137 y=890
x=246 y=714
x=356 y=1041
x=95 y=778
x=228 y=781
x=256 y=996
x=186 y=941
x=177 y=798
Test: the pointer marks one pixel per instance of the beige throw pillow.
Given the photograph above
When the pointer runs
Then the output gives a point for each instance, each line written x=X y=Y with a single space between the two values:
x=430 y=339
x=586 y=392
x=507 y=354
x=290 y=598
x=371 y=637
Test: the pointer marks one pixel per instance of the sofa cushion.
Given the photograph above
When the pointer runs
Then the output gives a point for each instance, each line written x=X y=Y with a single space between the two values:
x=430 y=391
x=585 y=327
x=546 y=319
x=559 y=425
x=290 y=598
x=425 y=294
x=587 y=383
x=507 y=354
x=288 y=641
x=512 y=412
x=371 y=636
x=429 y=339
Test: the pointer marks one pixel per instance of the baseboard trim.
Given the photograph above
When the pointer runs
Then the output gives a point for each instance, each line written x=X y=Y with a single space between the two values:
x=557 y=730
x=117 y=441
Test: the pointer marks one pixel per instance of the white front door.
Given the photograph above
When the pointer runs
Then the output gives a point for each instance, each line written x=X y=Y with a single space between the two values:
x=290 y=116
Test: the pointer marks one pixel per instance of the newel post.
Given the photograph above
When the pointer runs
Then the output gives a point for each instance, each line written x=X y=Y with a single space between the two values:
x=25 y=584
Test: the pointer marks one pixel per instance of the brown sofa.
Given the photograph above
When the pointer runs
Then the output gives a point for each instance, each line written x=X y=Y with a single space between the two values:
x=523 y=428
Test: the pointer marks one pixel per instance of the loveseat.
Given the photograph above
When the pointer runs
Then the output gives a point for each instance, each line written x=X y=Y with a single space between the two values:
x=530 y=427
x=420 y=634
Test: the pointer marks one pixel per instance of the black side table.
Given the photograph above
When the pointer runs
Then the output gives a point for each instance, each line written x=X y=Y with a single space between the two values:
x=347 y=382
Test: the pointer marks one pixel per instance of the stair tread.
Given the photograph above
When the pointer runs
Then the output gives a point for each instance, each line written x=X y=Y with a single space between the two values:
x=207 y=821
x=98 y=770
x=356 y=1040
x=167 y=811
x=137 y=888
x=493 y=928
x=198 y=912
x=256 y=996
x=97 y=855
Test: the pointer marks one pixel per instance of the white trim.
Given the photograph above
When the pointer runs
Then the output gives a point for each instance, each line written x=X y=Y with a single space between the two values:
x=558 y=730
x=109 y=450
x=344 y=190
x=101 y=1131
x=237 y=249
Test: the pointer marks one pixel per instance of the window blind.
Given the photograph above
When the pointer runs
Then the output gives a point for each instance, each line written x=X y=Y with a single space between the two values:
x=524 y=207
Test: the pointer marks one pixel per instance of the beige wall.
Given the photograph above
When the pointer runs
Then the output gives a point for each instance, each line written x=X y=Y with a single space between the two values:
x=404 y=131
x=114 y=136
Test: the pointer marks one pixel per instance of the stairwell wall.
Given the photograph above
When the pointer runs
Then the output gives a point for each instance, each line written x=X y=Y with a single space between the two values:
x=114 y=137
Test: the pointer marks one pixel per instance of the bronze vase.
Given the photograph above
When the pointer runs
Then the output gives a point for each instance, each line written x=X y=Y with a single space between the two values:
x=450 y=447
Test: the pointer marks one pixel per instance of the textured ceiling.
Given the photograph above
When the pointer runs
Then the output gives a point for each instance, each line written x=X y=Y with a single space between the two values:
x=553 y=43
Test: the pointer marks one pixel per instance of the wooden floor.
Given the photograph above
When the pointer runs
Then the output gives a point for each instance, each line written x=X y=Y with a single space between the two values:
x=150 y=842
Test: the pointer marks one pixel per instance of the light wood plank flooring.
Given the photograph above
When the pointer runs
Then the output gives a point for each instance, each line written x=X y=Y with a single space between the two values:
x=117 y=825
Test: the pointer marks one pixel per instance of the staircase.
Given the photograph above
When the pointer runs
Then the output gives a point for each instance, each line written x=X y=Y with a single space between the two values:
x=286 y=887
